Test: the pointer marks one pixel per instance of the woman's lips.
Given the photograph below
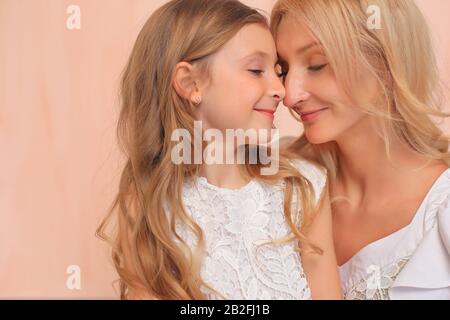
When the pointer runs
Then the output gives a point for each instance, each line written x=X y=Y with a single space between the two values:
x=310 y=115
x=267 y=112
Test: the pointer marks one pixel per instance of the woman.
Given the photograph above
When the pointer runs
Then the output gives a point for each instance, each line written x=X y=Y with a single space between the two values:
x=366 y=98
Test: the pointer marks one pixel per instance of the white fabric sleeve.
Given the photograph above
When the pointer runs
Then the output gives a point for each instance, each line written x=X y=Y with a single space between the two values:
x=427 y=274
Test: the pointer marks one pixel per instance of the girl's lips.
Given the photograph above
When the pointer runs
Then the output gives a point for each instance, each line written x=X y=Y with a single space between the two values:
x=268 y=112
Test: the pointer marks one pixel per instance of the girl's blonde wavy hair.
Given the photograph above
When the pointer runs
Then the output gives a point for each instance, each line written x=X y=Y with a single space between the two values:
x=148 y=254
x=399 y=56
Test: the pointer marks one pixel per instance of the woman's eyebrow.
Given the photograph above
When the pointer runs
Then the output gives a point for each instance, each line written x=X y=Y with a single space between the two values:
x=306 y=48
x=301 y=50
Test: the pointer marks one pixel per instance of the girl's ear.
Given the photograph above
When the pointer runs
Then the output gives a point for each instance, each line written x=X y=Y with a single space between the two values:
x=183 y=81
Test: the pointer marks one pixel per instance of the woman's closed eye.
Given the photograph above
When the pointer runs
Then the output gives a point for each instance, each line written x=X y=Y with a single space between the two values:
x=316 y=68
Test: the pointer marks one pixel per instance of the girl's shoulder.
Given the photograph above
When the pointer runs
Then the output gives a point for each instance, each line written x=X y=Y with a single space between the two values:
x=313 y=172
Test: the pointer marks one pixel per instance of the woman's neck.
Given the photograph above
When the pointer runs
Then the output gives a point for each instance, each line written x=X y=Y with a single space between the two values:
x=365 y=170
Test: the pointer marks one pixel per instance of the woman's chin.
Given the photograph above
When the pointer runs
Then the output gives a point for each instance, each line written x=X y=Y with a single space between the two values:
x=314 y=136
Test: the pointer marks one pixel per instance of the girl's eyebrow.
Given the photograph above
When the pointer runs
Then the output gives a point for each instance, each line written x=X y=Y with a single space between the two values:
x=259 y=53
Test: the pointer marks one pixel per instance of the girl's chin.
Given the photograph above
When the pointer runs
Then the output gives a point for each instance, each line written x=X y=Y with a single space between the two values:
x=264 y=127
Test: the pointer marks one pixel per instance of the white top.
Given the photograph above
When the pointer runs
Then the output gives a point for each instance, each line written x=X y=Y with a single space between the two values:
x=234 y=222
x=412 y=263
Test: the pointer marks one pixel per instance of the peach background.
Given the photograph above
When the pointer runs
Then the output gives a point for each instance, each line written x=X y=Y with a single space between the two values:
x=60 y=164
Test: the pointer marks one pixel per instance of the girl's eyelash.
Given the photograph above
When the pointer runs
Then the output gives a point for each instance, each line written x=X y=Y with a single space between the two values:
x=317 y=67
x=259 y=72
x=256 y=71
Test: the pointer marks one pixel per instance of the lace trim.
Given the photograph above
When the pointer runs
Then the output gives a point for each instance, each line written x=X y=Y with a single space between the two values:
x=377 y=283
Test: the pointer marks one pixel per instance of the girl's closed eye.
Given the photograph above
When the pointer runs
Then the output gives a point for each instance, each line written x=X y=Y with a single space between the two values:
x=257 y=72
x=279 y=73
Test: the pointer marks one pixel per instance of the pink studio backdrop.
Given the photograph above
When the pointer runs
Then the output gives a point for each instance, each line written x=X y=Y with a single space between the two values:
x=60 y=164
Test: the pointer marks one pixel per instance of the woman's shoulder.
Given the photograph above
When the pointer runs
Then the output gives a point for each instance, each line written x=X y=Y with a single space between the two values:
x=441 y=200
x=438 y=196
x=444 y=223
x=427 y=274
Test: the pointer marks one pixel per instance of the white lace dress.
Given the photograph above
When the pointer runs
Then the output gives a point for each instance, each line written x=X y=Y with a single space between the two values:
x=412 y=263
x=234 y=222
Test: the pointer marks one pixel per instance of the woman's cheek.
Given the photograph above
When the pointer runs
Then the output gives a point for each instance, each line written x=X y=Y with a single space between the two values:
x=328 y=91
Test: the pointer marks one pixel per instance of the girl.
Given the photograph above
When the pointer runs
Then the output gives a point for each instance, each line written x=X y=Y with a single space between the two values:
x=196 y=231
x=365 y=96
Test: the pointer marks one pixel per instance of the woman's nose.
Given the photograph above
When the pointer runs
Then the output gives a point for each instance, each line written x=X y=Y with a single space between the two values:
x=295 y=92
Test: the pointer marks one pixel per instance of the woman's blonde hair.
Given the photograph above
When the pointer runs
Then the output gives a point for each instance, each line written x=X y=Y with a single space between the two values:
x=398 y=55
x=148 y=254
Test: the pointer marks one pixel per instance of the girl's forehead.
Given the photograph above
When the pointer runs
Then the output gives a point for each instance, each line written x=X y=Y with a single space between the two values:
x=252 y=41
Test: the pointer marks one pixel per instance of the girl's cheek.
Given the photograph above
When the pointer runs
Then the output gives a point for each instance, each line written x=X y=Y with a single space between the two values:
x=244 y=82
x=248 y=89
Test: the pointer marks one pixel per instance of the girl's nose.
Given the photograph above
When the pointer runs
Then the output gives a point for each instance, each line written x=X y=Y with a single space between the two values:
x=277 y=91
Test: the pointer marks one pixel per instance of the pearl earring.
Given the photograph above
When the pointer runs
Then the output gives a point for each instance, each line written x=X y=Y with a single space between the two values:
x=197 y=99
